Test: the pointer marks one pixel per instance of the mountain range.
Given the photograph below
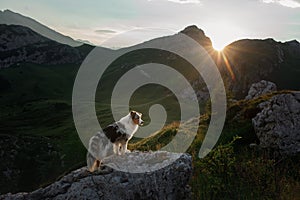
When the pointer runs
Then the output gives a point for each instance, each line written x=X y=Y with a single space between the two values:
x=258 y=59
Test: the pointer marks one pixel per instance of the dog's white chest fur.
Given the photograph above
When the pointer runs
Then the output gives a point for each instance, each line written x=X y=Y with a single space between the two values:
x=130 y=127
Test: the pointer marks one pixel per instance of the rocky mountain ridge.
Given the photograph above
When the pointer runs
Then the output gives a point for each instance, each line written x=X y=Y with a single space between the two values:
x=20 y=44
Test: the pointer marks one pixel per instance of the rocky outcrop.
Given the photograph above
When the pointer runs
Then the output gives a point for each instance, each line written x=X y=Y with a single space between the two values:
x=20 y=44
x=169 y=182
x=278 y=124
x=198 y=35
x=260 y=88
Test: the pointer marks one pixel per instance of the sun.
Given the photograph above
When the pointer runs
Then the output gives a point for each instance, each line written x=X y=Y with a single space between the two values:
x=219 y=46
x=220 y=41
x=222 y=33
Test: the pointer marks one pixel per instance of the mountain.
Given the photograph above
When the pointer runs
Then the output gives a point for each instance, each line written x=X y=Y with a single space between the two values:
x=10 y=17
x=248 y=61
x=19 y=44
x=259 y=59
x=255 y=60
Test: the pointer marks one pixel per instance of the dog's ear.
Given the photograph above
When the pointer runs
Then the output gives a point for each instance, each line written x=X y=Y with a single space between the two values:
x=132 y=113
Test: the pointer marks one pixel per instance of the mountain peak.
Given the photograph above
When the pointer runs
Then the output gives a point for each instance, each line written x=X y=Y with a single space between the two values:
x=197 y=34
x=10 y=12
x=9 y=17
x=193 y=28
x=6 y=10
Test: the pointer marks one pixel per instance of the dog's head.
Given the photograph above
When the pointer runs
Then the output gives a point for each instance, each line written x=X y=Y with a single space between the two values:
x=136 y=118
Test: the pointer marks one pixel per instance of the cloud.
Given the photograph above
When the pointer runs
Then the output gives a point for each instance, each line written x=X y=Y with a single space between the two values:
x=106 y=31
x=268 y=1
x=287 y=3
x=183 y=1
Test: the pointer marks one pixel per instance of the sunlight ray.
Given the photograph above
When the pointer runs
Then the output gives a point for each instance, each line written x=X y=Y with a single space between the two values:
x=228 y=66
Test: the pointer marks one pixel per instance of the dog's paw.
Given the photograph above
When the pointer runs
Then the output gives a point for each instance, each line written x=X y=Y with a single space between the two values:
x=127 y=151
x=103 y=170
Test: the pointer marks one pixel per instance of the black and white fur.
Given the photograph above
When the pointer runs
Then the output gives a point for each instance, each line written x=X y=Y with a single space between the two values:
x=112 y=140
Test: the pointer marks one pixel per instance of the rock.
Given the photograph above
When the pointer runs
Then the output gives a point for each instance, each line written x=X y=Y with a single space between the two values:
x=277 y=126
x=169 y=182
x=260 y=88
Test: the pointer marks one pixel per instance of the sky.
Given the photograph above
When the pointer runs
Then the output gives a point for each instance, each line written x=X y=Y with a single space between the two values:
x=120 y=23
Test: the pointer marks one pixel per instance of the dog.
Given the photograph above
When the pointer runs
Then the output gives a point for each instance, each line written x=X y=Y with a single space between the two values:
x=112 y=140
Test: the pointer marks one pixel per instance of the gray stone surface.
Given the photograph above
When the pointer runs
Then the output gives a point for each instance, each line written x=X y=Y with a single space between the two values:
x=170 y=182
x=260 y=88
x=278 y=124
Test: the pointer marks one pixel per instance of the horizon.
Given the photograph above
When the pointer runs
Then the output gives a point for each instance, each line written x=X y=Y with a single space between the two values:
x=129 y=22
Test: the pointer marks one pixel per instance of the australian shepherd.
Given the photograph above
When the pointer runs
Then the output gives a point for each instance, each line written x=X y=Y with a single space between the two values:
x=112 y=140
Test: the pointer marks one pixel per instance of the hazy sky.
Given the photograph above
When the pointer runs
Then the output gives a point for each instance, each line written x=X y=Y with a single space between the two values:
x=116 y=23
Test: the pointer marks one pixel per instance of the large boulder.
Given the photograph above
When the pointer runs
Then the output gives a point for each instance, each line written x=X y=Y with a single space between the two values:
x=169 y=182
x=260 y=88
x=278 y=124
